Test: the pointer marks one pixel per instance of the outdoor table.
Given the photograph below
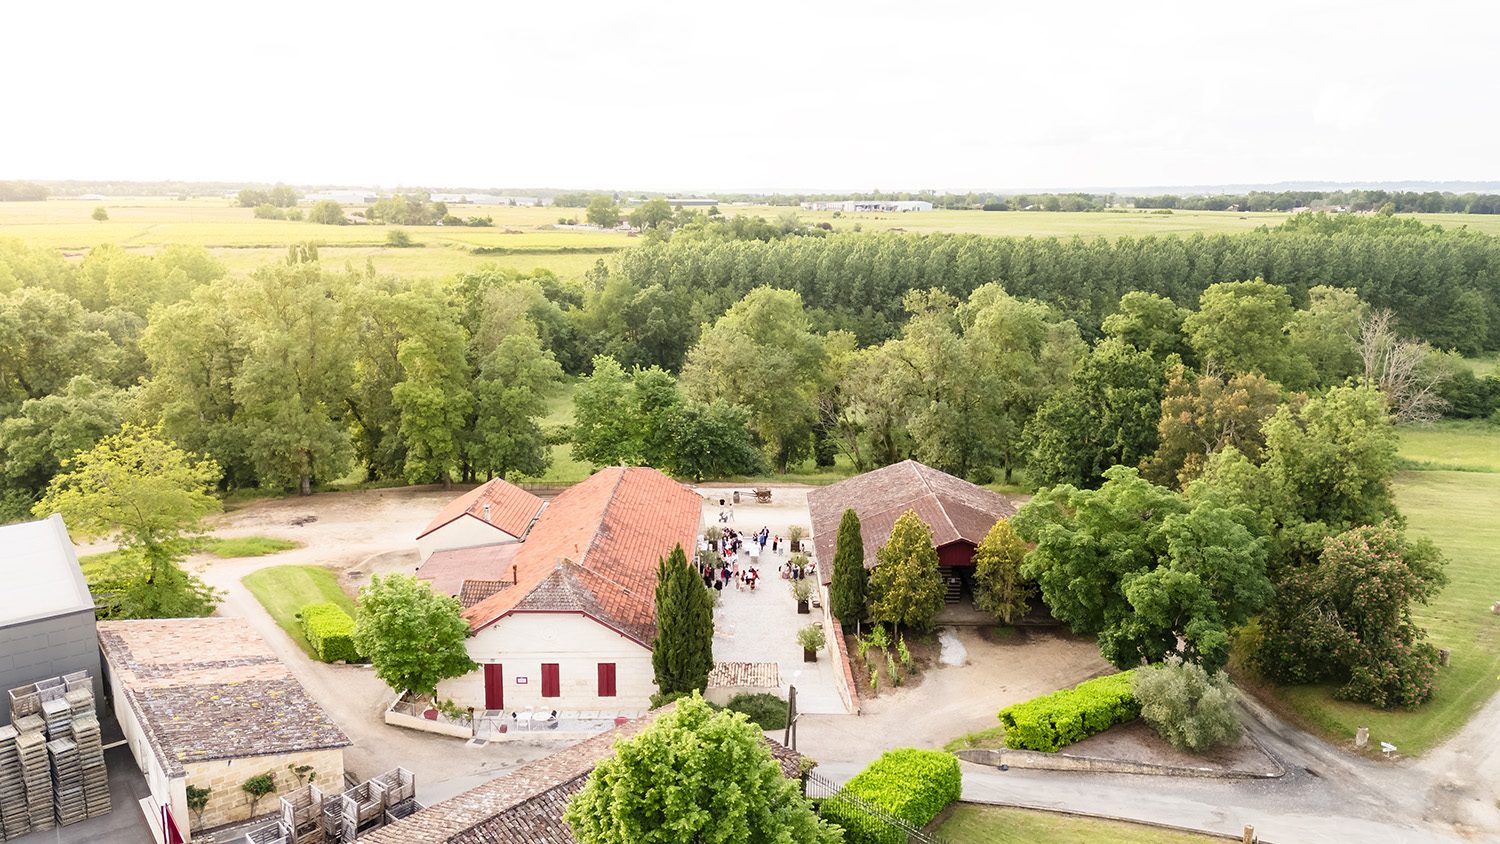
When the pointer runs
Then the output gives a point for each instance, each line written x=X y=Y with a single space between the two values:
x=524 y=718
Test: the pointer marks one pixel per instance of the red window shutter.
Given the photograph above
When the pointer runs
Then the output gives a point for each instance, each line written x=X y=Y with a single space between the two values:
x=549 y=680
x=606 y=679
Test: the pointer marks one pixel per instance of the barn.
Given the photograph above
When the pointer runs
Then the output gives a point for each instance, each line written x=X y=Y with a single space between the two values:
x=959 y=513
x=490 y=513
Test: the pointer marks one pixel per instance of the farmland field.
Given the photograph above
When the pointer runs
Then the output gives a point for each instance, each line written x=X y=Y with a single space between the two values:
x=530 y=237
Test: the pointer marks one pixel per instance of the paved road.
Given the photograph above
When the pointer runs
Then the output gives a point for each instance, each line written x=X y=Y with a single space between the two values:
x=1326 y=797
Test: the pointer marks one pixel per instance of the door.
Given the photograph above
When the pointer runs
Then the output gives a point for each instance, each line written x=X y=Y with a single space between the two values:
x=494 y=686
x=606 y=679
x=550 y=685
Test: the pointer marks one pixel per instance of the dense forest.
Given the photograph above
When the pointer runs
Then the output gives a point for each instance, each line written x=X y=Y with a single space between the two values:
x=947 y=347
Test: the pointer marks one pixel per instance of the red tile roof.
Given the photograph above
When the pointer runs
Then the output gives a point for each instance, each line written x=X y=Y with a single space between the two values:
x=512 y=509
x=955 y=509
x=595 y=550
x=447 y=570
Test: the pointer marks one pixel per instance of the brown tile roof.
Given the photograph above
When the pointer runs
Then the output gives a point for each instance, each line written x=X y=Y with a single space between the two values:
x=595 y=550
x=525 y=806
x=211 y=688
x=512 y=509
x=755 y=675
x=474 y=591
x=447 y=570
x=955 y=509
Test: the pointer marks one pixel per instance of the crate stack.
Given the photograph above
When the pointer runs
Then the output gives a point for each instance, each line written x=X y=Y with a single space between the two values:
x=31 y=747
x=67 y=781
x=15 y=821
x=91 y=762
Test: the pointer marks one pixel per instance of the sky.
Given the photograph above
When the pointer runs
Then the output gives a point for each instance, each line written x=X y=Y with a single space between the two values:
x=765 y=96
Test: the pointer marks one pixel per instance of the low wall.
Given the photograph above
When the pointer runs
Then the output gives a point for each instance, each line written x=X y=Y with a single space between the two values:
x=721 y=695
x=844 y=676
x=417 y=722
x=1066 y=762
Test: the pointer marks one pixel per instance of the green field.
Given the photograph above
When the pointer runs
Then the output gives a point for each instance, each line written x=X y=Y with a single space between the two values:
x=1458 y=511
x=245 y=546
x=285 y=590
x=974 y=823
x=530 y=236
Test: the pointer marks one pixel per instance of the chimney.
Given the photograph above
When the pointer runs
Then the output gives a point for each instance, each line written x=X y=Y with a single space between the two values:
x=486 y=511
x=514 y=577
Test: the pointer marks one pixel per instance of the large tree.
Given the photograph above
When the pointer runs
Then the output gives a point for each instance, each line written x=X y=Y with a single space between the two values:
x=847 y=591
x=1149 y=323
x=906 y=588
x=1205 y=413
x=510 y=398
x=761 y=354
x=1347 y=619
x=294 y=381
x=1151 y=574
x=682 y=654
x=1242 y=326
x=414 y=637
x=1106 y=417
x=149 y=497
x=47 y=431
x=1002 y=588
x=699 y=775
x=603 y=432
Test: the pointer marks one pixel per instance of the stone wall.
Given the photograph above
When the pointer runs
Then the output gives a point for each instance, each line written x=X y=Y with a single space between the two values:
x=228 y=803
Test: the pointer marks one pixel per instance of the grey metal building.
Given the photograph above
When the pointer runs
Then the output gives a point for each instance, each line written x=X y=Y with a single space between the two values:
x=46 y=611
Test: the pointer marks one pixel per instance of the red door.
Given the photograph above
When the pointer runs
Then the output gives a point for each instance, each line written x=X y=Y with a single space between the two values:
x=606 y=679
x=550 y=685
x=494 y=686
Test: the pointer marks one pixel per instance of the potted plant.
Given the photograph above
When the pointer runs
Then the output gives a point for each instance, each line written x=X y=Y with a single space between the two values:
x=811 y=639
x=802 y=591
x=794 y=536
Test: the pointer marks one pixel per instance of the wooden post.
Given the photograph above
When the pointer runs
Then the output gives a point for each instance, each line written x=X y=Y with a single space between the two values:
x=1361 y=737
x=1249 y=835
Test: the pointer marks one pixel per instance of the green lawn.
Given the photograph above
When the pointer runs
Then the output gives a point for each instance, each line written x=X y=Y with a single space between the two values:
x=1464 y=446
x=246 y=546
x=285 y=590
x=1458 y=511
x=975 y=824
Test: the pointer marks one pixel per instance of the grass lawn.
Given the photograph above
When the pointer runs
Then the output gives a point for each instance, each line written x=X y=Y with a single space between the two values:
x=285 y=590
x=1002 y=824
x=246 y=546
x=1459 y=445
x=992 y=737
x=1458 y=511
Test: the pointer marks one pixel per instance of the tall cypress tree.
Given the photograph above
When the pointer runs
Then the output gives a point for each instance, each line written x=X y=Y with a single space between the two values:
x=850 y=579
x=682 y=654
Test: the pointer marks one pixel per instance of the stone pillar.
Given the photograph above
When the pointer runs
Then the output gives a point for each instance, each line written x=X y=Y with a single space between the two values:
x=1361 y=737
x=1443 y=656
x=1249 y=835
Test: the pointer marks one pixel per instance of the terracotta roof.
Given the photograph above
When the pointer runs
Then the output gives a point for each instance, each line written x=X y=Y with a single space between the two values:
x=212 y=688
x=512 y=509
x=447 y=570
x=525 y=806
x=595 y=550
x=474 y=591
x=955 y=509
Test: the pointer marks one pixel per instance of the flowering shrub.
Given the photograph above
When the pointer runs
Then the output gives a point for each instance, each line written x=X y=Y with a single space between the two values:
x=1347 y=619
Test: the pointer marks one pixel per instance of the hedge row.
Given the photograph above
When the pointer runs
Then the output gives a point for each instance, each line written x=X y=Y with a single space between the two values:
x=1054 y=721
x=913 y=785
x=330 y=631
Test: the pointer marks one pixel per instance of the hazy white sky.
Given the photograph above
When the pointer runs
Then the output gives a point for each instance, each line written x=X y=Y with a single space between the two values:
x=762 y=95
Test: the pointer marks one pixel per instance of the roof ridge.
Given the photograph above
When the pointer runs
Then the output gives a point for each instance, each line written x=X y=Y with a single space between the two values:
x=927 y=485
x=603 y=516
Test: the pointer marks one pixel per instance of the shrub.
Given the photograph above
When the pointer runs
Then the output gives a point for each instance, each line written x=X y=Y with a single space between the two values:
x=398 y=238
x=913 y=785
x=269 y=212
x=811 y=638
x=765 y=710
x=330 y=631
x=1054 y=721
x=1190 y=708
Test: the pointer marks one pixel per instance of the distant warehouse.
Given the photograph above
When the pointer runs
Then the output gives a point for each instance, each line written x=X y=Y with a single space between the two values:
x=853 y=205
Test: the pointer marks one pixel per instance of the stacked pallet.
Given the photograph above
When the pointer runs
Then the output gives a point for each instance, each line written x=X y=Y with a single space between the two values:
x=31 y=747
x=67 y=781
x=91 y=762
x=58 y=717
x=14 y=819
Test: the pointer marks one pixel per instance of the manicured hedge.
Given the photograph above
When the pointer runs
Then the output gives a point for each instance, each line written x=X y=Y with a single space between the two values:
x=913 y=785
x=1054 y=721
x=766 y=711
x=330 y=631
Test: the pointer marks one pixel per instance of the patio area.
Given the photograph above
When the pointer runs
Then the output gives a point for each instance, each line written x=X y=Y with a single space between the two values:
x=762 y=625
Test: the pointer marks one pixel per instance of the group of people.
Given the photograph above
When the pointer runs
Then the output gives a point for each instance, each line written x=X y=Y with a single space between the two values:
x=720 y=564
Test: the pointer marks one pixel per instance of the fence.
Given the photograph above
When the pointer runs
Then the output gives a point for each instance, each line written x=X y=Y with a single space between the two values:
x=823 y=790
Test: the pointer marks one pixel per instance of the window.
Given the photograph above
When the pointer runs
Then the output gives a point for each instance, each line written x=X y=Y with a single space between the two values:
x=606 y=679
x=549 y=680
